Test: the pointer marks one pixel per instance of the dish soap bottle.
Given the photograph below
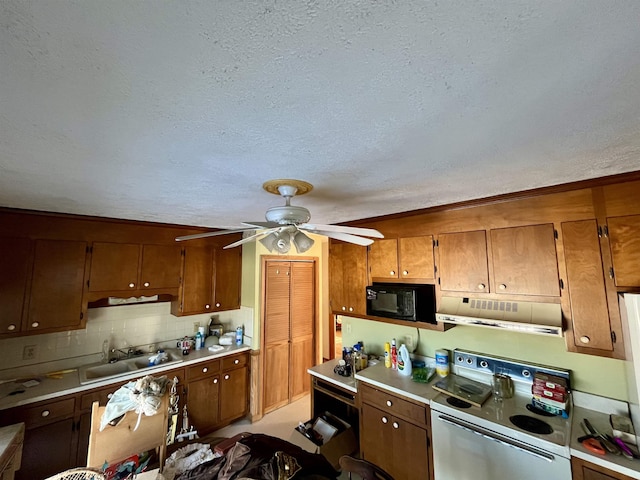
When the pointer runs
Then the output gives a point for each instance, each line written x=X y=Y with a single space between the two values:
x=404 y=361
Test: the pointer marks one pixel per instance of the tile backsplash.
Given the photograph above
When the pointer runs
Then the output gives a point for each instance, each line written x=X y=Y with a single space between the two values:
x=123 y=326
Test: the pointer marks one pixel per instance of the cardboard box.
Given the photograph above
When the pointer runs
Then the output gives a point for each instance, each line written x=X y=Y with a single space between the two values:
x=343 y=442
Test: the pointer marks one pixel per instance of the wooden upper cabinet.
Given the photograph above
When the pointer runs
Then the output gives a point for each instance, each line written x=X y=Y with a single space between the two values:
x=383 y=259
x=114 y=267
x=524 y=260
x=160 y=266
x=196 y=289
x=406 y=258
x=624 y=239
x=462 y=262
x=347 y=278
x=586 y=284
x=416 y=257
x=15 y=265
x=227 y=280
x=129 y=267
x=59 y=268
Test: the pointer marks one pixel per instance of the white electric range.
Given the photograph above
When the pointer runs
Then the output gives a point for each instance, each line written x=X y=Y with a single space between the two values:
x=499 y=439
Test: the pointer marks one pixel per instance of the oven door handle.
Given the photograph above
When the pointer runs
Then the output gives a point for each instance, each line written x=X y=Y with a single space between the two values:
x=488 y=435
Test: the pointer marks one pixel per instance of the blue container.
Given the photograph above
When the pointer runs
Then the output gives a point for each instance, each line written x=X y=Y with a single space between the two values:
x=239 y=336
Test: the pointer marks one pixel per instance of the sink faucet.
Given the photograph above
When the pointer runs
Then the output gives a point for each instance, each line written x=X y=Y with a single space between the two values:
x=118 y=353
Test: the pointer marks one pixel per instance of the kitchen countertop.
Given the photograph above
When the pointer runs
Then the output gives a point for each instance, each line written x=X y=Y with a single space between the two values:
x=50 y=388
x=325 y=372
x=380 y=376
x=11 y=438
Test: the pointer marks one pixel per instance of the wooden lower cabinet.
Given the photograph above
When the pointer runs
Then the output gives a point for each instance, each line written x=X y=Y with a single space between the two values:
x=234 y=388
x=394 y=429
x=583 y=470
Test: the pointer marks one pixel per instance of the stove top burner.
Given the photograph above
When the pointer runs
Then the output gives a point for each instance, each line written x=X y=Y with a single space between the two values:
x=531 y=424
x=456 y=402
x=539 y=411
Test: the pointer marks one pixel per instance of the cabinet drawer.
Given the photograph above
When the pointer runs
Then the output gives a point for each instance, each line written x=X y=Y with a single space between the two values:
x=204 y=369
x=100 y=395
x=234 y=361
x=394 y=404
x=47 y=412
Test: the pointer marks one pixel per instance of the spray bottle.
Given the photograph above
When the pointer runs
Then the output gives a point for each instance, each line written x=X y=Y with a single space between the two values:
x=394 y=355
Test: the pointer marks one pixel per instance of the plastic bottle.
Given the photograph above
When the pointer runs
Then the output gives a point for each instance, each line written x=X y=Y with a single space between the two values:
x=239 y=336
x=394 y=355
x=387 y=355
x=198 y=341
x=357 y=361
x=404 y=361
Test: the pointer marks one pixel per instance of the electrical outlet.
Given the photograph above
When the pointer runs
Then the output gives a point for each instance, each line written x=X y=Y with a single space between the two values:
x=29 y=352
x=408 y=341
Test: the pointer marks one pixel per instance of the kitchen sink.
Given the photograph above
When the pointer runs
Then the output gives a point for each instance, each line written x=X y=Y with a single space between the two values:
x=103 y=371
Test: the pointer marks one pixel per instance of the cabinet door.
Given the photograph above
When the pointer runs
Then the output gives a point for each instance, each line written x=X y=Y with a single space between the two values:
x=376 y=438
x=56 y=285
x=15 y=265
x=196 y=290
x=233 y=394
x=355 y=278
x=524 y=260
x=583 y=470
x=416 y=257
x=114 y=267
x=624 y=238
x=337 y=299
x=160 y=266
x=228 y=274
x=276 y=375
x=462 y=262
x=302 y=327
x=383 y=259
x=409 y=441
x=202 y=403
x=47 y=450
x=587 y=294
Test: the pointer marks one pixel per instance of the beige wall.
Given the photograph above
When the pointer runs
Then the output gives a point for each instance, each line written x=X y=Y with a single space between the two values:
x=597 y=375
x=252 y=286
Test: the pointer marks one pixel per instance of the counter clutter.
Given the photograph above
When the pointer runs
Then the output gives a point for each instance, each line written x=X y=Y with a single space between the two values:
x=557 y=448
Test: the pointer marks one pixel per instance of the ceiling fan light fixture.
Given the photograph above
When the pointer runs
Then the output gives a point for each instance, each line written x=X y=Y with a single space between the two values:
x=283 y=243
x=269 y=241
x=302 y=242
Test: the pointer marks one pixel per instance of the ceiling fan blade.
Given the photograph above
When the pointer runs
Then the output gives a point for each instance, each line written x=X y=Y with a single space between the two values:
x=345 y=237
x=262 y=224
x=250 y=238
x=210 y=234
x=367 y=232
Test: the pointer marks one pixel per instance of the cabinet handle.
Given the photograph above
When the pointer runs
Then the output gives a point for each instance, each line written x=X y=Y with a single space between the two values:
x=215 y=380
x=236 y=361
x=207 y=306
x=392 y=272
x=385 y=419
x=226 y=377
x=502 y=286
x=351 y=309
x=11 y=327
x=389 y=403
x=481 y=286
x=146 y=284
x=45 y=413
x=344 y=309
x=205 y=369
x=405 y=272
x=395 y=425
x=217 y=305
x=131 y=285
x=110 y=395
x=35 y=324
x=585 y=339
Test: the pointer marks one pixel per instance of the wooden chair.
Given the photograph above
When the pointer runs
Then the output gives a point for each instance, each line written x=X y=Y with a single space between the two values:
x=116 y=443
x=362 y=468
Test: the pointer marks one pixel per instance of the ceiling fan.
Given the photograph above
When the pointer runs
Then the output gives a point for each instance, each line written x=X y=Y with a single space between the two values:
x=285 y=224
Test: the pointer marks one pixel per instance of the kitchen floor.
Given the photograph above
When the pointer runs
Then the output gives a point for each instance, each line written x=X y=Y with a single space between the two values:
x=279 y=423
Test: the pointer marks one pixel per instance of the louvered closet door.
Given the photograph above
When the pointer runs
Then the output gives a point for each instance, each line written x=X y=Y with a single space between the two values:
x=302 y=327
x=276 y=335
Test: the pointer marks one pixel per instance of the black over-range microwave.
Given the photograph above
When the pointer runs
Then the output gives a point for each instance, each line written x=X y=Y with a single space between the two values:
x=415 y=303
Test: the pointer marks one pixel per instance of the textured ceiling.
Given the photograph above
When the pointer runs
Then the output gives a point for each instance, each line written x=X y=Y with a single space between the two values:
x=178 y=111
